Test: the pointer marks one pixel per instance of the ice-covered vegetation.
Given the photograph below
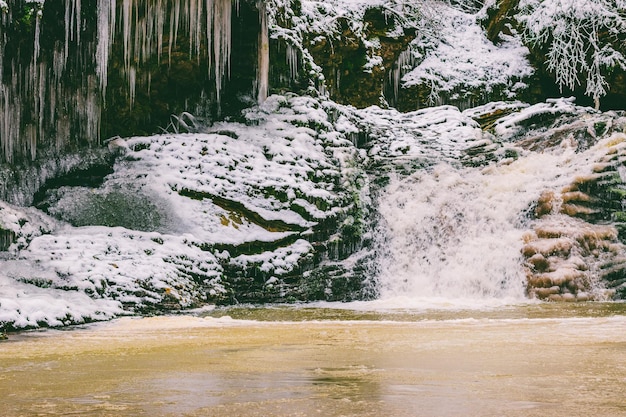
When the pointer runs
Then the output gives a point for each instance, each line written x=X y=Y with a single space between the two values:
x=582 y=39
x=450 y=55
x=454 y=58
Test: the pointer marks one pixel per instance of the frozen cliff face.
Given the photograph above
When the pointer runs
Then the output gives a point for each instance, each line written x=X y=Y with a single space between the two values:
x=71 y=71
x=406 y=54
x=238 y=212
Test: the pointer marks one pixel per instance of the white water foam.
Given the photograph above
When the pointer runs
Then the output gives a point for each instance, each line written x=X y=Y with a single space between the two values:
x=451 y=237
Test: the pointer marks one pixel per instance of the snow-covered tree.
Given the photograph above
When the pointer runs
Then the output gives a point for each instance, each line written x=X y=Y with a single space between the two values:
x=583 y=39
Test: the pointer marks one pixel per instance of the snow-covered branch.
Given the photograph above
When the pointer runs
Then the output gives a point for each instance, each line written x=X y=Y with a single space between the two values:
x=580 y=37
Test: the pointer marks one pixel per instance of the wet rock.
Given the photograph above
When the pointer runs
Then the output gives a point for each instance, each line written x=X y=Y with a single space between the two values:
x=538 y=262
x=568 y=297
x=582 y=296
x=548 y=247
x=545 y=203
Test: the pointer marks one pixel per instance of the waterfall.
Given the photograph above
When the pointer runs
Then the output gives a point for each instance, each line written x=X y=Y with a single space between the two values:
x=53 y=91
x=456 y=233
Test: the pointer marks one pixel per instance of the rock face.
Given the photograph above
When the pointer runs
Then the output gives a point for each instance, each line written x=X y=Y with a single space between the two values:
x=345 y=50
x=581 y=226
x=265 y=211
x=356 y=65
x=575 y=245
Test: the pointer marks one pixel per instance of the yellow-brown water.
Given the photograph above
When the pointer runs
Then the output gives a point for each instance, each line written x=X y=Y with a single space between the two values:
x=538 y=360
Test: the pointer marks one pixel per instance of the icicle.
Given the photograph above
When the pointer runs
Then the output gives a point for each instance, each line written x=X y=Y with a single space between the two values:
x=39 y=99
x=3 y=41
x=72 y=23
x=106 y=25
x=405 y=61
x=143 y=33
x=222 y=10
x=38 y=78
x=174 y=21
x=210 y=7
x=292 y=61
x=36 y=46
x=132 y=83
x=264 y=54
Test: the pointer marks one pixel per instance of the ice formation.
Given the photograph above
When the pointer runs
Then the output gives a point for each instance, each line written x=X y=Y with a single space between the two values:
x=45 y=103
x=264 y=55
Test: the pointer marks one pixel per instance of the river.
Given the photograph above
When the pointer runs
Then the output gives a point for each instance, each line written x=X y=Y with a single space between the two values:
x=537 y=359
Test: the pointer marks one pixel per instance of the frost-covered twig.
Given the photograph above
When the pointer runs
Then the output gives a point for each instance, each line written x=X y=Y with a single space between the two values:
x=184 y=123
x=581 y=37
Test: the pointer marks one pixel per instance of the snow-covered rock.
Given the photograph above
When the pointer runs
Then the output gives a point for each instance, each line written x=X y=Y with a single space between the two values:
x=235 y=213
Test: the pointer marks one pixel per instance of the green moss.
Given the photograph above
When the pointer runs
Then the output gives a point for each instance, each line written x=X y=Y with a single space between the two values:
x=616 y=194
x=600 y=128
x=619 y=216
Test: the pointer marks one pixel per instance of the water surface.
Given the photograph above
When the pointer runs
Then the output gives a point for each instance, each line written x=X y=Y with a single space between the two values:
x=530 y=360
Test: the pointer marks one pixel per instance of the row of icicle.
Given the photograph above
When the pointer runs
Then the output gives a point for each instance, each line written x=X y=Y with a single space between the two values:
x=146 y=28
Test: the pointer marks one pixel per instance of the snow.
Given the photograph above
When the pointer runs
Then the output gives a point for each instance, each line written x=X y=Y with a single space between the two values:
x=458 y=57
x=512 y=125
x=320 y=20
x=580 y=38
x=25 y=305
x=451 y=53
x=282 y=261
x=131 y=267
x=25 y=223
x=428 y=135
x=268 y=182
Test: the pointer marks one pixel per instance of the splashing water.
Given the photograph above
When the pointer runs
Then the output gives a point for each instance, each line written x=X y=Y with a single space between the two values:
x=450 y=233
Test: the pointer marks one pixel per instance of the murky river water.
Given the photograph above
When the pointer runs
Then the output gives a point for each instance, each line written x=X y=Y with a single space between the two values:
x=534 y=360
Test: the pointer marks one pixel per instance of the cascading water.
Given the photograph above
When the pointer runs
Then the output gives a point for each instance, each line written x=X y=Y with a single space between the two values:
x=455 y=234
